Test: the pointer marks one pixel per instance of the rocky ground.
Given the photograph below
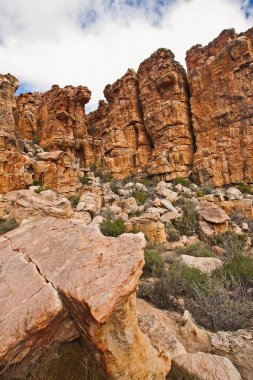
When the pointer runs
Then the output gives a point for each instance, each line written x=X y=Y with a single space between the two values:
x=196 y=290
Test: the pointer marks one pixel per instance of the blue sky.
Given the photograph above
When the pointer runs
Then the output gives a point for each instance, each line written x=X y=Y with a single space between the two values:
x=93 y=42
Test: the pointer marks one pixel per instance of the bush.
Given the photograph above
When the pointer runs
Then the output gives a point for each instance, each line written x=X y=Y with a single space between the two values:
x=172 y=234
x=140 y=196
x=7 y=225
x=198 y=250
x=115 y=186
x=238 y=268
x=98 y=171
x=220 y=306
x=181 y=181
x=112 y=227
x=188 y=224
x=245 y=188
x=183 y=278
x=154 y=263
x=84 y=179
x=232 y=243
x=237 y=216
x=74 y=199
x=148 y=182
x=40 y=189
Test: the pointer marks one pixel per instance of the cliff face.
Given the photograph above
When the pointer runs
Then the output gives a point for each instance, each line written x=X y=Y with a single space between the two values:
x=165 y=103
x=156 y=122
x=120 y=141
x=220 y=77
x=13 y=164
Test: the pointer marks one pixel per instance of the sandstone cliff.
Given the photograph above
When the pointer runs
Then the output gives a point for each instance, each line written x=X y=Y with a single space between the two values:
x=156 y=122
x=220 y=77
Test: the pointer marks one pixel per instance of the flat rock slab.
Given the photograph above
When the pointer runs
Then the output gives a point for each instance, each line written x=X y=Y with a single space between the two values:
x=81 y=262
x=31 y=310
x=212 y=213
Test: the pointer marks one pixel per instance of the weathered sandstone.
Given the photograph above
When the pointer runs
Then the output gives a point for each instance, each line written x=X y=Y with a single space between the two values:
x=13 y=164
x=220 y=78
x=164 y=98
x=26 y=115
x=120 y=142
x=96 y=276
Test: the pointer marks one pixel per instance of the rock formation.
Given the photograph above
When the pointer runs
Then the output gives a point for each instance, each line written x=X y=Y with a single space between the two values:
x=95 y=276
x=120 y=142
x=220 y=79
x=26 y=115
x=13 y=164
x=165 y=103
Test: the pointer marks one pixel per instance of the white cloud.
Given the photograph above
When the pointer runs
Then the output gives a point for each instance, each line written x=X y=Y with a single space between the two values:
x=43 y=41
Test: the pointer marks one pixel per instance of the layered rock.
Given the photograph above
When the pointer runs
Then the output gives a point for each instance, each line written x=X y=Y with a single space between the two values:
x=32 y=314
x=13 y=164
x=26 y=115
x=96 y=276
x=164 y=98
x=220 y=78
x=62 y=119
x=120 y=142
x=59 y=171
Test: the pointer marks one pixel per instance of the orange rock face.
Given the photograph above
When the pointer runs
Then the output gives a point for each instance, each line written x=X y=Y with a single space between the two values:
x=26 y=115
x=165 y=102
x=13 y=164
x=62 y=122
x=220 y=77
x=120 y=141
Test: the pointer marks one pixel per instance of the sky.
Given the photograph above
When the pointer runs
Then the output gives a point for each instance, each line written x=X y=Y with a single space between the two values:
x=93 y=43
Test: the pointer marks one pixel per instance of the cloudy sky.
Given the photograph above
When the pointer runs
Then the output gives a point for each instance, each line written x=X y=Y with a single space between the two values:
x=46 y=42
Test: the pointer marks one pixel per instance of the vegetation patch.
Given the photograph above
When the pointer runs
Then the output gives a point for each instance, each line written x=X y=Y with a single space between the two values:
x=84 y=179
x=154 y=263
x=232 y=243
x=140 y=196
x=185 y=182
x=112 y=228
x=199 y=249
x=245 y=188
x=238 y=268
x=188 y=224
x=74 y=199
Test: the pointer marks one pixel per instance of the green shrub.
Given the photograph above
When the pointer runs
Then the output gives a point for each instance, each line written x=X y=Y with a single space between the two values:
x=181 y=181
x=115 y=186
x=204 y=191
x=172 y=234
x=112 y=227
x=148 y=182
x=40 y=189
x=37 y=182
x=198 y=250
x=7 y=225
x=154 y=263
x=127 y=179
x=245 y=188
x=98 y=171
x=182 y=278
x=74 y=199
x=84 y=179
x=232 y=243
x=140 y=196
x=188 y=224
x=238 y=268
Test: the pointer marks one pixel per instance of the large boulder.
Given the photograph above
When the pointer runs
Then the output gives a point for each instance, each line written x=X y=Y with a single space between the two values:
x=96 y=277
x=202 y=366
